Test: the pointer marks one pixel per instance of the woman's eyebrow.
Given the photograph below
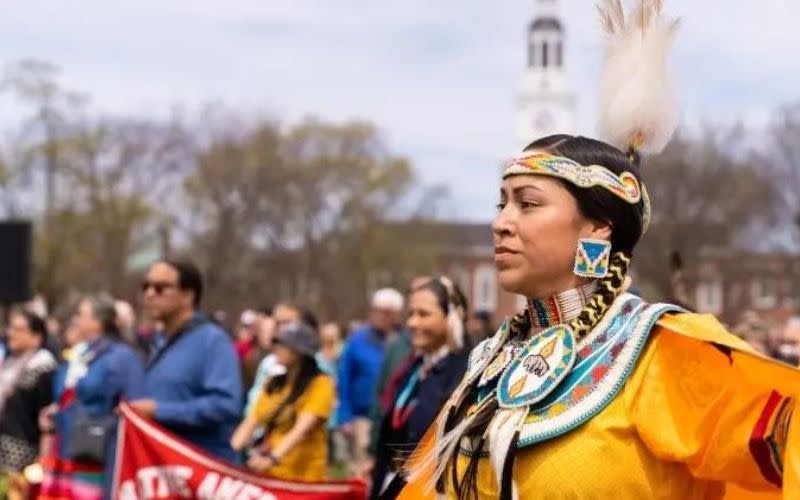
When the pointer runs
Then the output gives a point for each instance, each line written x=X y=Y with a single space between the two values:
x=517 y=190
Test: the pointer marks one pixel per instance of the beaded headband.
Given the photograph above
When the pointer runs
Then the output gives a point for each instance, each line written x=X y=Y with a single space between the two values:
x=625 y=186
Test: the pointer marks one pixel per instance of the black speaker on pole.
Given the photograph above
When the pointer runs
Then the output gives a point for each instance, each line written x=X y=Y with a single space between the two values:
x=15 y=261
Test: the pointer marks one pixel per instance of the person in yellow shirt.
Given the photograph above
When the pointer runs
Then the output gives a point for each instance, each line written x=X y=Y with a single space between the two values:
x=592 y=393
x=292 y=409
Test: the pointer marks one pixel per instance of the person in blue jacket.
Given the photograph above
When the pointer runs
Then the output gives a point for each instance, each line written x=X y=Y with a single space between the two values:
x=192 y=381
x=358 y=369
x=101 y=372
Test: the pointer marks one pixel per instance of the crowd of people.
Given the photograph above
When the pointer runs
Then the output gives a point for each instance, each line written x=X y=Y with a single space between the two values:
x=282 y=394
x=777 y=338
x=589 y=392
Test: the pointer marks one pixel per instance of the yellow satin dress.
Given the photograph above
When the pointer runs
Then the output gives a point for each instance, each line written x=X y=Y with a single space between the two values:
x=702 y=416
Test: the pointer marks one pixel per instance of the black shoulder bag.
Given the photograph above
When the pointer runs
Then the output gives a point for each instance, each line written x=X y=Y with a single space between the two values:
x=89 y=433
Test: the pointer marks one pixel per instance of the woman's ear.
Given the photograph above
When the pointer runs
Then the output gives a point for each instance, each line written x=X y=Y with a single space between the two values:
x=598 y=230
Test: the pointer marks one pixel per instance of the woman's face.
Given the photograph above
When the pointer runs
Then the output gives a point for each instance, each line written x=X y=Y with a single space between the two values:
x=285 y=355
x=536 y=235
x=84 y=320
x=19 y=336
x=266 y=331
x=426 y=322
x=72 y=336
x=329 y=335
x=285 y=314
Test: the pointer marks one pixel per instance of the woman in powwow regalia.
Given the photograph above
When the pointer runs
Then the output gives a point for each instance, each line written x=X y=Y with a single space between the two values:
x=592 y=392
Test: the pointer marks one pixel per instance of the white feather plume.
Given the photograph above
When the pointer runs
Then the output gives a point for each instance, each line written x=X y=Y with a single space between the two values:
x=455 y=314
x=455 y=324
x=638 y=106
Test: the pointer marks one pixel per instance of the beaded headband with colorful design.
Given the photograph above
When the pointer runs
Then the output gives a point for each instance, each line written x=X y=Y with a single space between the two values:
x=625 y=186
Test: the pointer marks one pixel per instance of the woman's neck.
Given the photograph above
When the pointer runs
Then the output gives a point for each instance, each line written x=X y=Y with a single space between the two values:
x=91 y=337
x=433 y=356
x=26 y=351
x=330 y=352
x=291 y=374
x=559 y=308
x=436 y=353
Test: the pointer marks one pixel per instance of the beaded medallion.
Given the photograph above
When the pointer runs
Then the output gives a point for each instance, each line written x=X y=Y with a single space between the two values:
x=539 y=368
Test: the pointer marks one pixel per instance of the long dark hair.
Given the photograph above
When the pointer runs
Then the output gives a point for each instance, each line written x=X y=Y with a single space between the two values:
x=307 y=371
x=36 y=324
x=594 y=203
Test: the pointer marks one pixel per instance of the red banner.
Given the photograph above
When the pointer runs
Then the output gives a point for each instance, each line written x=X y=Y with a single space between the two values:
x=153 y=464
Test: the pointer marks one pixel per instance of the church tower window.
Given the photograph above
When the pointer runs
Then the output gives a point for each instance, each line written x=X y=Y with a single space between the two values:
x=559 y=54
x=546 y=101
x=532 y=53
x=544 y=54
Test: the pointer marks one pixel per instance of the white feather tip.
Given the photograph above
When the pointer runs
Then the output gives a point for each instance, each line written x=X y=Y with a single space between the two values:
x=638 y=107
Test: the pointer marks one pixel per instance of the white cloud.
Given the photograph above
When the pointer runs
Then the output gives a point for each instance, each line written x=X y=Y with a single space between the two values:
x=437 y=77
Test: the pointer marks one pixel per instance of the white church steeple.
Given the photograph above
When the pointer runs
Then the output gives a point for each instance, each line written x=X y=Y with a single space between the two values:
x=545 y=103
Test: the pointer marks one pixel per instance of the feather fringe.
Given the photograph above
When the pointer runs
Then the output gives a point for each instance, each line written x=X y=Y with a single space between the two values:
x=508 y=489
x=439 y=455
x=447 y=446
x=503 y=433
x=638 y=107
x=456 y=326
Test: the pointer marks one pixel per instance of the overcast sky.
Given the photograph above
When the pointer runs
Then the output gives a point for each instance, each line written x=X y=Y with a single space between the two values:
x=438 y=77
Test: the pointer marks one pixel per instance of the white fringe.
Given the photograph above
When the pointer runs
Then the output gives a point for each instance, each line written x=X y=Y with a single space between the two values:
x=501 y=434
x=456 y=326
x=637 y=98
x=440 y=455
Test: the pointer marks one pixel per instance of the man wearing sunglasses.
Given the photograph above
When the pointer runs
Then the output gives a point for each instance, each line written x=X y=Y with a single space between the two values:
x=193 y=381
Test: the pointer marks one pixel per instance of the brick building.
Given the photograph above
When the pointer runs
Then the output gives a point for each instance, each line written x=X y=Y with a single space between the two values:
x=728 y=283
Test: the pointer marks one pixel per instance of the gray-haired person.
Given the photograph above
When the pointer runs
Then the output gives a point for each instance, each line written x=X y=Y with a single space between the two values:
x=102 y=371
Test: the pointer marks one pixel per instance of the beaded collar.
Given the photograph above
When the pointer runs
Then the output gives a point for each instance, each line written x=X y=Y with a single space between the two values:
x=561 y=307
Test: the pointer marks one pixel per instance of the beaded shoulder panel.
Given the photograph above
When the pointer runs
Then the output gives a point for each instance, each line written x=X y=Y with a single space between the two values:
x=605 y=359
x=483 y=353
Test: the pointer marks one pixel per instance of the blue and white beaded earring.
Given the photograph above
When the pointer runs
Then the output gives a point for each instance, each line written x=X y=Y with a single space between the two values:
x=591 y=260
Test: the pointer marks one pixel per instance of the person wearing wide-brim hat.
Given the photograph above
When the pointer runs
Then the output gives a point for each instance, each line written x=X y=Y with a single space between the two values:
x=292 y=409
